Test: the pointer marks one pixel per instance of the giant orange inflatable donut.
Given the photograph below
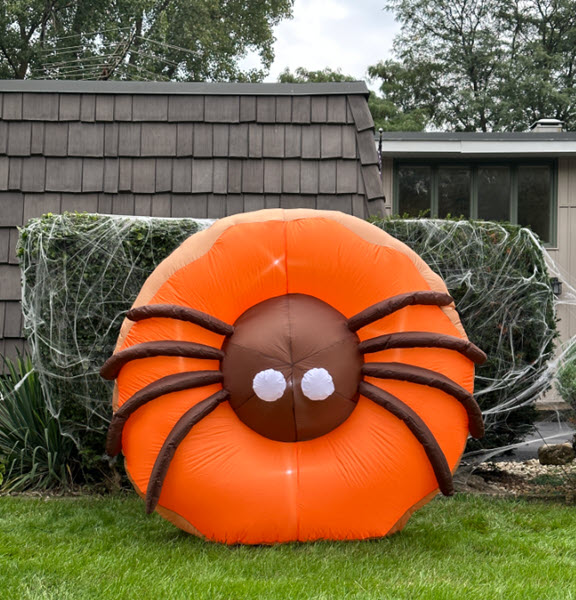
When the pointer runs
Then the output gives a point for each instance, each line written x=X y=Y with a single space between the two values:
x=292 y=375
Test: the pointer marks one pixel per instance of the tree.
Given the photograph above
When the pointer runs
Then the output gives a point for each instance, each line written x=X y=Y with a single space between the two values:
x=386 y=114
x=303 y=75
x=480 y=65
x=543 y=57
x=188 y=40
x=408 y=96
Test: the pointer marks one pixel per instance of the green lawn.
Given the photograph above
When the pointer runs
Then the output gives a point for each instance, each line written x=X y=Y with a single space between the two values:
x=464 y=547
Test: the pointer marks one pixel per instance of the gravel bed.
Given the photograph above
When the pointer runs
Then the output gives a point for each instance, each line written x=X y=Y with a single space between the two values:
x=530 y=468
x=519 y=479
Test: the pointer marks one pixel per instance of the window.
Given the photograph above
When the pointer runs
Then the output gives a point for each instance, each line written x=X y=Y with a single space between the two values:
x=453 y=191
x=494 y=188
x=414 y=187
x=534 y=185
x=518 y=192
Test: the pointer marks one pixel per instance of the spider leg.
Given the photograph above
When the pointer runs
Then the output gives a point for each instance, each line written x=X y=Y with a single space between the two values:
x=178 y=433
x=390 y=305
x=418 y=428
x=421 y=339
x=112 y=366
x=180 y=313
x=165 y=385
x=413 y=374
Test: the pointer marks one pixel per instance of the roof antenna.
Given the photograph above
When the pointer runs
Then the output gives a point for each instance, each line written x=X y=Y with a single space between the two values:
x=380 y=131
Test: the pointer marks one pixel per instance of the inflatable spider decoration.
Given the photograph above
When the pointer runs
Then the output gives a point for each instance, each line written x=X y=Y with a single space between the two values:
x=292 y=375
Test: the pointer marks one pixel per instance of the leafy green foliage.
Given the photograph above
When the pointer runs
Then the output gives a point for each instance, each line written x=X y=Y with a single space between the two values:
x=189 y=40
x=498 y=278
x=387 y=114
x=483 y=65
x=408 y=101
x=35 y=453
x=81 y=273
x=303 y=75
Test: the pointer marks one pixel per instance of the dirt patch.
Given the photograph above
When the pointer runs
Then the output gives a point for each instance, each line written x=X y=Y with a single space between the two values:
x=527 y=479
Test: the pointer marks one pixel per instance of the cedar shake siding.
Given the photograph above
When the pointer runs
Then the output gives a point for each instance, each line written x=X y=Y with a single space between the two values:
x=176 y=150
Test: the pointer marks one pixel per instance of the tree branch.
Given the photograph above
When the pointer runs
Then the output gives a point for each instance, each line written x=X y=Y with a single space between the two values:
x=9 y=59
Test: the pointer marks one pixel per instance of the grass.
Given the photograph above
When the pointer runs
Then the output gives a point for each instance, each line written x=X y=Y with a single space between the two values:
x=557 y=481
x=460 y=548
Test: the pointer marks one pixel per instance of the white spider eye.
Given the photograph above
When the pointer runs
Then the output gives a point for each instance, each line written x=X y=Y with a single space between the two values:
x=317 y=384
x=269 y=385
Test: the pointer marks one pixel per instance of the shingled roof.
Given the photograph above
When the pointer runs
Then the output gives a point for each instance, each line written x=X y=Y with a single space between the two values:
x=176 y=149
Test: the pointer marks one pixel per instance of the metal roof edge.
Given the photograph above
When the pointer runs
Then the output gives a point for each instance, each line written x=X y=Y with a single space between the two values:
x=450 y=147
x=44 y=86
x=427 y=137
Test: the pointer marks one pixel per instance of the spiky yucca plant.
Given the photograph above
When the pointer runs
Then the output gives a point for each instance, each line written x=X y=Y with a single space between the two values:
x=35 y=453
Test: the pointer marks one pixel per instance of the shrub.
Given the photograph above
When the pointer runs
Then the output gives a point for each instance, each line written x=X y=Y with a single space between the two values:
x=566 y=377
x=81 y=273
x=35 y=453
x=497 y=275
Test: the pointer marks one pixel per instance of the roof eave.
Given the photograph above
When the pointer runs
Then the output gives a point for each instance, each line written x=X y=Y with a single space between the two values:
x=43 y=86
x=459 y=148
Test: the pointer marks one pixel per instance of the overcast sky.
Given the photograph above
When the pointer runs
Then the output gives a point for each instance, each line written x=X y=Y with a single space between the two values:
x=348 y=35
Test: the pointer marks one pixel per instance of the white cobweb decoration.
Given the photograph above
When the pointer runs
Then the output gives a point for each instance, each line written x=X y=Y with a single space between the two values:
x=81 y=273
x=500 y=276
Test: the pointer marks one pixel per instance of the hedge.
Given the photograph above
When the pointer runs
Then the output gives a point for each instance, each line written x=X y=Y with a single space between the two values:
x=497 y=275
x=82 y=272
x=566 y=375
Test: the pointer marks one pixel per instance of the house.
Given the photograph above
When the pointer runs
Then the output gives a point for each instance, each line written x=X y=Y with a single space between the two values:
x=176 y=150
x=525 y=178
x=213 y=149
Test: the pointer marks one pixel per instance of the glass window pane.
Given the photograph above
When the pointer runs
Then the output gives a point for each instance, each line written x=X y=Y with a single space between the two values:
x=453 y=192
x=534 y=186
x=494 y=193
x=414 y=190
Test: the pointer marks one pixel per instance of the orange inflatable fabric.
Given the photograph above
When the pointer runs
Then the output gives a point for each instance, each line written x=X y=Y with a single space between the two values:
x=292 y=375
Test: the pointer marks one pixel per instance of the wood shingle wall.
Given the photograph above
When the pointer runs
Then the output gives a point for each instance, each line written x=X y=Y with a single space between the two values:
x=180 y=150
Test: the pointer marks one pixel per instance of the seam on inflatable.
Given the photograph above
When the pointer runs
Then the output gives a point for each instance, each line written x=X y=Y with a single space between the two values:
x=235 y=344
x=286 y=253
x=344 y=398
x=295 y=450
x=289 y=321
x=308 y=356
x=247 y=400
x=298 y=488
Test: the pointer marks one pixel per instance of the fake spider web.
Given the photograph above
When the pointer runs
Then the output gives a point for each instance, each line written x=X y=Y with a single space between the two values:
x=501 y=277
x=81 y=273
